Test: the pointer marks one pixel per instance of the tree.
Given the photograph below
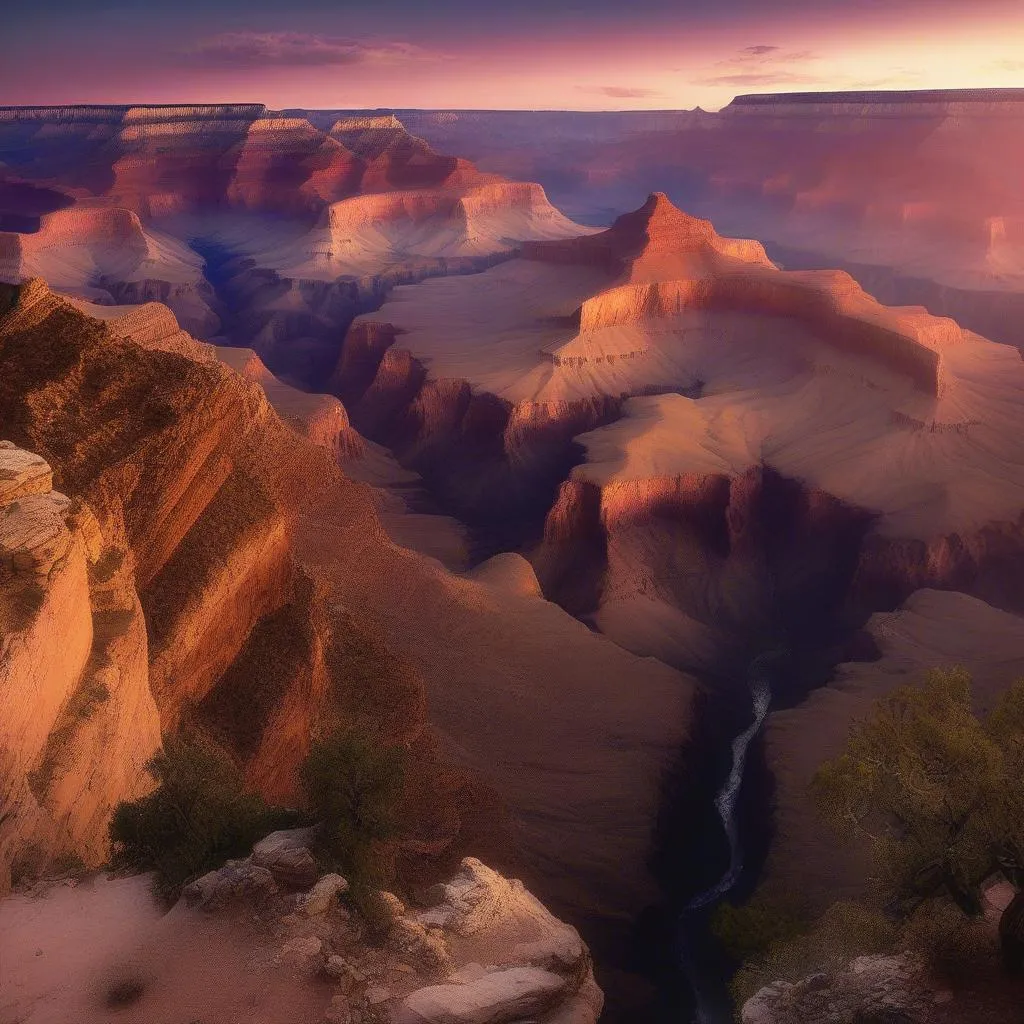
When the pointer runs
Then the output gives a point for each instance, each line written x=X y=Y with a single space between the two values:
x=936 y=790
x=354 y=785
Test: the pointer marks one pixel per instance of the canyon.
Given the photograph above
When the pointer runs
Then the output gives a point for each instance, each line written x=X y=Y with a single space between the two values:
x=615 y=523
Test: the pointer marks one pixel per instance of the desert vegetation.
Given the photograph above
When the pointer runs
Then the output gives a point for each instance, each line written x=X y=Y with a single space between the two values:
x=200 y=813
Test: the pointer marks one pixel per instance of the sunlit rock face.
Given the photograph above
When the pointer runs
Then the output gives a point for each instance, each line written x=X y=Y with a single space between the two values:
x=736 y=388
x=79 y=720
x=103 y=253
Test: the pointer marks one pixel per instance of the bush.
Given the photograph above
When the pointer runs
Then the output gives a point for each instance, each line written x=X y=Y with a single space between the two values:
x=956 y=947
x=354 y=785
x=198 y=816
x=845 y=931
x=768 y=919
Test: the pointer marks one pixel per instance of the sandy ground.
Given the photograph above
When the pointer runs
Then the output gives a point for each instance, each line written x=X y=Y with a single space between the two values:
x=63 y=951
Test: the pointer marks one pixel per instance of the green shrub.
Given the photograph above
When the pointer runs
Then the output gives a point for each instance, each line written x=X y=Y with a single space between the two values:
x=197 y=818
x=354 y=785
x=768 y=919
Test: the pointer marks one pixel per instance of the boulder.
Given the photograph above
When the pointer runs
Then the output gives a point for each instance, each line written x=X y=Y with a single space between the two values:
x=286 y=855
x=323 y=895
x=520 y=993
x=426 y=950
x=872 y=990
x=235 y=880
x=470 y=901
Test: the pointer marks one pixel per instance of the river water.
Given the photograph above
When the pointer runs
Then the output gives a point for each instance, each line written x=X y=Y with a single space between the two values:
x=707 y=994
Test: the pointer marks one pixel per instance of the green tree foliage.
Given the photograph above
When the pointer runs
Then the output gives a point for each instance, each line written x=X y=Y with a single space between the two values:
x=198 y=816
x=936 y=789
x=353 y=785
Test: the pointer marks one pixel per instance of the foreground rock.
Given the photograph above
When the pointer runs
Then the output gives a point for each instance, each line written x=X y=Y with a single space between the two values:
x=873 y=990
x=480 y=950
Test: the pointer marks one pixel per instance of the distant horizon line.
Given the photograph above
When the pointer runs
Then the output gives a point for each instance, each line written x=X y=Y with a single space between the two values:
x=752 y=99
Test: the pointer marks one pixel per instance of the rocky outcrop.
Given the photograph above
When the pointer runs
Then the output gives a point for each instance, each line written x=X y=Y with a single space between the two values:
x=79 y=720
x=160 y=161
x=478 y=949
x=103 y=253
x=872 y=990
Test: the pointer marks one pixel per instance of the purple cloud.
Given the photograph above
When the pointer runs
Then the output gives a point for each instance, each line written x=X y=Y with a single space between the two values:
x=762 y=65
x=291 y=49
x=621 y=92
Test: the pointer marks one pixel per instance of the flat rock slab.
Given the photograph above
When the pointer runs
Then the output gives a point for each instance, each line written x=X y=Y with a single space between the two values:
x=495 y=998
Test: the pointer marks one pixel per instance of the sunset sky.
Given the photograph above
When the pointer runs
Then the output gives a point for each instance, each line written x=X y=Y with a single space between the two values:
x=577 y=54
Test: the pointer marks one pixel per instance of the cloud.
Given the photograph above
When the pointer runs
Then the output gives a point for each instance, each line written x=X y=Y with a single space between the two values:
x=293 y=49
x=762 y=64
x=621 y=92
x=761 y=78
x=1009 y=65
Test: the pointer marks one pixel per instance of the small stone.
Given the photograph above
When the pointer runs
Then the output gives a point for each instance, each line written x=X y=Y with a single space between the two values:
x=377 y=994
x=335 y=966
x=304 y=951
x=320 y=898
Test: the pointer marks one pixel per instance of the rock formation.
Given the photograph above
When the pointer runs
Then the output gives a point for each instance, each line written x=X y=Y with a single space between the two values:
x=915 y=188
x=749 y=382
x=79 y=721
x=100 y=252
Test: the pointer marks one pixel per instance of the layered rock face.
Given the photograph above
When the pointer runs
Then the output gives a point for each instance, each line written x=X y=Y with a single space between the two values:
x=163 y=160
x=297 y=289
x=103 y=253
x=276 y=609
x=721 y=466
x=912 y=183
x=79 y=719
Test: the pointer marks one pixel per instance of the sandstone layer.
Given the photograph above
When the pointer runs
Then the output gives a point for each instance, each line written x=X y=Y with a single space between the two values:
x=79 y=721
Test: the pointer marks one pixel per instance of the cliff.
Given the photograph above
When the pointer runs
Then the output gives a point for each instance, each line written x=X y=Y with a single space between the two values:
x=657 y=303
x=165 y=160
x=103 y=253
x=79 y=719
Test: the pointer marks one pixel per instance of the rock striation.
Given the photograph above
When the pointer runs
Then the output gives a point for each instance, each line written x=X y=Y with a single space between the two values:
x=707 y=388
x=79 y=720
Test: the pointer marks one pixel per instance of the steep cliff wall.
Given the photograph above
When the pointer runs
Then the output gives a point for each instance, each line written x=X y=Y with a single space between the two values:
x=79 y=719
